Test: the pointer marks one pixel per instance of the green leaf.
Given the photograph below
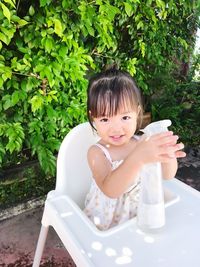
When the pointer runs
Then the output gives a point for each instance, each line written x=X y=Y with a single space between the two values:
x=2 y=152
x=111 y=11
x=10 y=146
x=39 y=67
x=128 y=9
x=7 y=102
x=22 y=22
x=183 y=42
x=50 y=111
x=4 y=38
x=140 y=25
x=12 y=3
x=58 y=27
x=27 y=85
x=56 y=67
x=47 y=72
x=8 y=33
x=47 y=159
x=36 y=103
x=138 y=17
x=63 y=51
x=31 y=10
x=44 y=2
x=15 y=98
x=48 y=44
x=131 y=66
x=6 y=11
x=7 y=73
x=142 y=47
x=89 y=27
x=1 y=83
x=160 y=4
x=15 y=136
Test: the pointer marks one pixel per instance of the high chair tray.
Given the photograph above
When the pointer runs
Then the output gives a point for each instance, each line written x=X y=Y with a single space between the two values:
x=177 y=244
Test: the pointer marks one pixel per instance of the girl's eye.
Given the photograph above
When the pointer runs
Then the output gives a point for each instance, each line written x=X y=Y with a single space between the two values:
x=104 y=120
x=125 y=118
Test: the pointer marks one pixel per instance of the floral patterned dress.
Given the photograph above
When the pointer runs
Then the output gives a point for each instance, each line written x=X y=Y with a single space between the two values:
x=107 y=212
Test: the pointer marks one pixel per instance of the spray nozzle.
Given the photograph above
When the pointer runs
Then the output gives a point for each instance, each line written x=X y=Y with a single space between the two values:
x=157 y=127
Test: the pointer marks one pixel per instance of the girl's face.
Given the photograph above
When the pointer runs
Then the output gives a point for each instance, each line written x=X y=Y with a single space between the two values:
x=117 y=130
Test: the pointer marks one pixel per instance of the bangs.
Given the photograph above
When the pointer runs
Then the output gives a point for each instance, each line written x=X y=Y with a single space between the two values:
x=110 y=103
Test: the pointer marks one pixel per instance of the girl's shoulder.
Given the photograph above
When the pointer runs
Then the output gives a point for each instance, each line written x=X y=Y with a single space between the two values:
x=95 y=150
x=98 y=162
x=99 y=151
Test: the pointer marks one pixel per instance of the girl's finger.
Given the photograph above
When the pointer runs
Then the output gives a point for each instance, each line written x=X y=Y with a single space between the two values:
x=163 y=134
x=179 y=146
x=171 y=150
x=180 y=154
x=165 y=138
x=169 y=141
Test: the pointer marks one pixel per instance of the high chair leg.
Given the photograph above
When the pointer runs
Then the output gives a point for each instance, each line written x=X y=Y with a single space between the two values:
x=40 y=246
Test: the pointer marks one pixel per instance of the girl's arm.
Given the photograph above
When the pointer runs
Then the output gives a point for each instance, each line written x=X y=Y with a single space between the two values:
x=114 y=183
x=169 y=169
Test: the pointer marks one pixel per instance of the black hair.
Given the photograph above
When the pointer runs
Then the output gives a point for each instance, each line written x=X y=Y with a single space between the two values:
x=108 y=91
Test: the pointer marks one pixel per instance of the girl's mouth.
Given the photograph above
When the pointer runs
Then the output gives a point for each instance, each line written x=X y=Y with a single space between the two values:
x=116 y=137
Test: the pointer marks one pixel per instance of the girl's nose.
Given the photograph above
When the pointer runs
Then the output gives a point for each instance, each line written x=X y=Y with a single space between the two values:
x=116 y=126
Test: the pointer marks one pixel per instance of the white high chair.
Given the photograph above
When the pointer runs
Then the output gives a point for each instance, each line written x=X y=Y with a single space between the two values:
x=124 y=244
x=72 y=183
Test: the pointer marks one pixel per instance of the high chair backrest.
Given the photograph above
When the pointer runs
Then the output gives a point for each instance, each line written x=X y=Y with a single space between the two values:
x=73 y=173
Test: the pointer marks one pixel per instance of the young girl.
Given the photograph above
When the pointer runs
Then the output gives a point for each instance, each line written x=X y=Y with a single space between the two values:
x=115 y=112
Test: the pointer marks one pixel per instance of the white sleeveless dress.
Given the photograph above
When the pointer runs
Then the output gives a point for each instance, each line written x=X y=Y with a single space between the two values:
x=107 y=212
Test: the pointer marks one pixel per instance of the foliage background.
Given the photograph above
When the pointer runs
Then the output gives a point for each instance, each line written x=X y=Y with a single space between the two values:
x=48 y=49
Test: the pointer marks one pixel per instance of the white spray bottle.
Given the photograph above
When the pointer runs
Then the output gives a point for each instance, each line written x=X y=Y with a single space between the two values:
x=151 y=209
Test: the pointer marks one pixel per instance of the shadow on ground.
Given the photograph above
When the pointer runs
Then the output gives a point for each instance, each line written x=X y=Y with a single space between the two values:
x=189 y=168
x=18 y=241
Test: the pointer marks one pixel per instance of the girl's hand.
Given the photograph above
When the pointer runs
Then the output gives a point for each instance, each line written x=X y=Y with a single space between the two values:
x=160 y=147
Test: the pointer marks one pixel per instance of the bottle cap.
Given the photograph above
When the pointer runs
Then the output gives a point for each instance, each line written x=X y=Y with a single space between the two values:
x=157 y=127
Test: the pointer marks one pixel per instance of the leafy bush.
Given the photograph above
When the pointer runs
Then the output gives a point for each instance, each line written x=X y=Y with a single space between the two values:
x=49 y=48
x=180 y=102
x=182 y=106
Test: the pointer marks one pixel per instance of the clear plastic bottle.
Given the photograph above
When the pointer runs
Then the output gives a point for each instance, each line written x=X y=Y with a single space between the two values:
x=151 y=209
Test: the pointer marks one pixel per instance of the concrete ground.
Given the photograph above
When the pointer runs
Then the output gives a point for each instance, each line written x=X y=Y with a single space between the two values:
x=18 y=239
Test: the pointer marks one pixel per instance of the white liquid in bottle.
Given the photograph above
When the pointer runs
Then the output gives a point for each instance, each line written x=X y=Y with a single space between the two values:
x=151 y=209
